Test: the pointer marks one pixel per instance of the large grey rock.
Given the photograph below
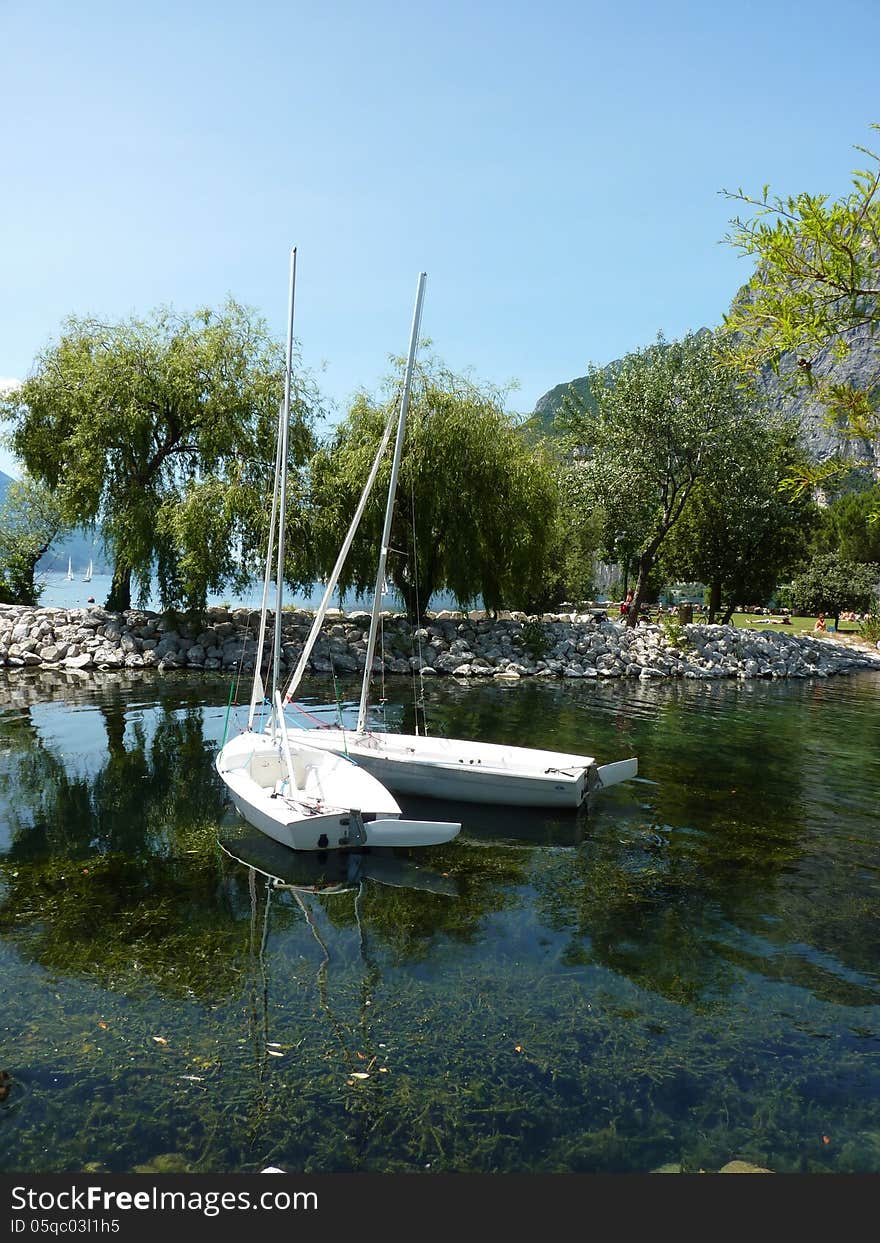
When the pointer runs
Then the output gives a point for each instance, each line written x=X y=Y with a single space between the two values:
x=79 y=662
x=110 y=657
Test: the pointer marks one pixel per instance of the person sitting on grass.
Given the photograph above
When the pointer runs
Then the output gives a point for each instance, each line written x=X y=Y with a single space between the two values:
x=820 y=624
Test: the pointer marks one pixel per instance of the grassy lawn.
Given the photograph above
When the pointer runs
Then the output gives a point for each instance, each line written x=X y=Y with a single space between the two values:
x=798 y=625
x=754 y=621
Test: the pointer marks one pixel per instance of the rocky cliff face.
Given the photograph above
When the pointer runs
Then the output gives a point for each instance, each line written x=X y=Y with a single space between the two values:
x=783 y=393
x=787 y=393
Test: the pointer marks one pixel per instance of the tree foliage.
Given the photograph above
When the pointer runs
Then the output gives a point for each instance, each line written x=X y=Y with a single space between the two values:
x=850 y=528
x=830 y=584
x=816 y=282
x=740 y=535
x=667 y=422
x=162 y=431
x=30 y=520
x=476 y=503
x=570 y=560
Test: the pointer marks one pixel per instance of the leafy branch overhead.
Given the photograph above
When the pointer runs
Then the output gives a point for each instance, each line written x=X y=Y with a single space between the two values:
x=813 y=295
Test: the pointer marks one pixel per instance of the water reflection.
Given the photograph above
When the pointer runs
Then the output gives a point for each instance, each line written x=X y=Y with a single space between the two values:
x=687 y=971
x=275 y=876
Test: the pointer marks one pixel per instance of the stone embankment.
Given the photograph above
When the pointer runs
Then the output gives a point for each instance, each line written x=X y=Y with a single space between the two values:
x=588 y=645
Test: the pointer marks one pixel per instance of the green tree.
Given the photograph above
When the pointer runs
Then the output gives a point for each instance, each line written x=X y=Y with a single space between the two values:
x=570 y=557
x=850 y=528
x=741 y=535
x=162 y=431
x=30 y=520
x=816 y=282
x=666 y=422
x=829 y=584
x=477 y=504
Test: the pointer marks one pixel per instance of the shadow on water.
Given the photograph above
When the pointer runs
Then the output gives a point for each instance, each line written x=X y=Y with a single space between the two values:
x=686 y=972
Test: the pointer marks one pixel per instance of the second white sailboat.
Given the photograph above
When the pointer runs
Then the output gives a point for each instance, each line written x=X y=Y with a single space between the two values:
x=447 y=768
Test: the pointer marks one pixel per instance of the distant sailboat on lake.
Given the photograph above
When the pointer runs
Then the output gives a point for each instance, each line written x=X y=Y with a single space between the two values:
x=88 y=574
x=69 y=570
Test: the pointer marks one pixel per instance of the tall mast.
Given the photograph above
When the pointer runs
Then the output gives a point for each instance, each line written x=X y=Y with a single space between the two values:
x=282 y=493
x=389 y=508
x=258 y=693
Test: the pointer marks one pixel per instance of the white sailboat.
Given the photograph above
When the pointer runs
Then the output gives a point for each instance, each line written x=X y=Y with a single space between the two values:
x=87 y=577
x=447 y=768
x=69 y=571
x=305 y=797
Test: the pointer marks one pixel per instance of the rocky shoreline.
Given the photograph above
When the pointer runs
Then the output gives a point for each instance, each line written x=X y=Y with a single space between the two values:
x=512 y=646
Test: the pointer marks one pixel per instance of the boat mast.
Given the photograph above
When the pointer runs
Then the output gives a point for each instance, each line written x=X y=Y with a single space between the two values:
x=258 y=692
x=389 y=508
x=282 y=494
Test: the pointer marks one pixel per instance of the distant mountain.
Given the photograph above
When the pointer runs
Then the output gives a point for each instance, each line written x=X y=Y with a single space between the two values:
x=78 y=546
x=781 y=393
x=548 y=406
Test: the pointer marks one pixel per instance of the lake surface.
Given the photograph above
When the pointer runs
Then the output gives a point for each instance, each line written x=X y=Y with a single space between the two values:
x=58 y=591
x=687 y=974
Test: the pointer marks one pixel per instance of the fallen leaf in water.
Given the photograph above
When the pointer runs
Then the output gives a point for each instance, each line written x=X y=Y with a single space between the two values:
x=103 y=1025
x=160 y=1040
x=517 y=1048
x=383 y=1070
x=359 y=1074
x=192 y=1078
x=275 y=1053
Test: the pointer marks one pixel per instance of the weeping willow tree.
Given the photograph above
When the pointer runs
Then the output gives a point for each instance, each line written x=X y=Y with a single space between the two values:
x=162 y=432
x=476 y=511
x=30 y=521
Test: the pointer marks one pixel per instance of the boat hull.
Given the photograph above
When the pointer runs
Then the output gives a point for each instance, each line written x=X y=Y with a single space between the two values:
x=338 y=805
x=448 y=768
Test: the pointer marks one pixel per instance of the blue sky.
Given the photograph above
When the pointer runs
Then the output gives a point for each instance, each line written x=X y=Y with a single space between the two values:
x=554 y=168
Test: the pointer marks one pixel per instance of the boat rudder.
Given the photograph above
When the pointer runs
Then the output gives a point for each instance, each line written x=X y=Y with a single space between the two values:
x=621 y=770
x=392 y=832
